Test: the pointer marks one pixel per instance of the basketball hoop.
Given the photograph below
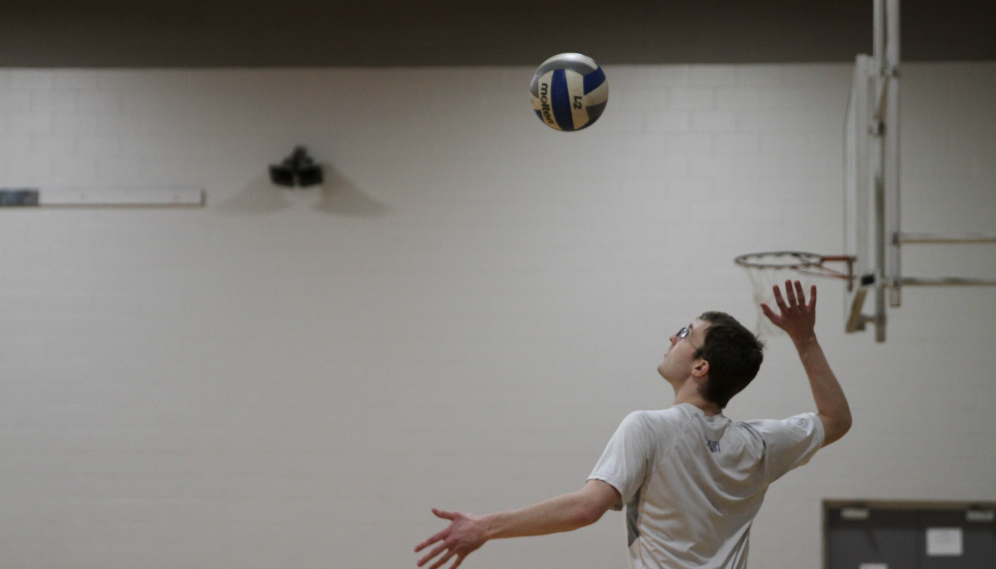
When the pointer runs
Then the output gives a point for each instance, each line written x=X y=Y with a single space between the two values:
x=770 y=268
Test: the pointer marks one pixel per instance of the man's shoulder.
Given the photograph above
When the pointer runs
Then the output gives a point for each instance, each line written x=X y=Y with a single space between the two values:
x=672 y=412
x=674 y=416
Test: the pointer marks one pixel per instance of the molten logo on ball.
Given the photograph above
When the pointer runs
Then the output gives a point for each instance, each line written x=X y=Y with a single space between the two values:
x=545 y=104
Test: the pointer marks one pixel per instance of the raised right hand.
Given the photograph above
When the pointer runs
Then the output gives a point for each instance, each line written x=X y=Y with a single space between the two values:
x=796 y=317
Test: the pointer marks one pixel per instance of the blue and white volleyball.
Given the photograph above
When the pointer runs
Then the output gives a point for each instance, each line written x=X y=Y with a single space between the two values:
x=569 y=91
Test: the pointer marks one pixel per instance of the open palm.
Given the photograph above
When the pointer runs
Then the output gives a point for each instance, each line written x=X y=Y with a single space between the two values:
x=463 y=536
x=796 y=316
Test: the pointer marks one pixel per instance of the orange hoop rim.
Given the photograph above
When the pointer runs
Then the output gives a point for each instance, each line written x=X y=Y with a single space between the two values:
x=799 y=261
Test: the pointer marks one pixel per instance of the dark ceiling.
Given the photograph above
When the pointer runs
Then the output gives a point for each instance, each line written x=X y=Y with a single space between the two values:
x=184 y=33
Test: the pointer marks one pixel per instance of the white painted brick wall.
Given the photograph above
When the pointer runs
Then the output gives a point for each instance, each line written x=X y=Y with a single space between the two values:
x=286 y=379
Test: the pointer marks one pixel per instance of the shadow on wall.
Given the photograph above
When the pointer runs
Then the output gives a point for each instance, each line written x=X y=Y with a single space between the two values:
x=338 y=196
x=341 y=197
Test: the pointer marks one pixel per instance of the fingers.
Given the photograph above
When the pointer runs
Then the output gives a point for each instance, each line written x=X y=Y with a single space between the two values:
x=444 y=514
x=796 y=296
x=442 y=560
x=431 y=540
x=779 y=300
x=800 y=295
x=449 y=545
x=775 y=319
x=790 y=294
x=438 y=549
x=439 y=514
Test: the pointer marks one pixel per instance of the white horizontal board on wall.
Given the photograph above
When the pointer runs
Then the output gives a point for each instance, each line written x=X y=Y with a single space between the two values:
x=93 y=197
x=117 y=197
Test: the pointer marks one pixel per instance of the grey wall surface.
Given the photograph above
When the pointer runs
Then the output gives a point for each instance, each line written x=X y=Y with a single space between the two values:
x=129 y=33
x=460 y=317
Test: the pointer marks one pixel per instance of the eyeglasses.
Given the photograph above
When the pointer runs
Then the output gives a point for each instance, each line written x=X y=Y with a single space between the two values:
x=683 y=335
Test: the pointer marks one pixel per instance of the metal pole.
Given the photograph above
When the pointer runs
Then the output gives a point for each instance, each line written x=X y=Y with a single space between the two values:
x=878 y=45
x=891 y=153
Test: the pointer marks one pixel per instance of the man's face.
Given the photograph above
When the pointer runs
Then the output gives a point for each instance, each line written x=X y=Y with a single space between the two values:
x=678 y=361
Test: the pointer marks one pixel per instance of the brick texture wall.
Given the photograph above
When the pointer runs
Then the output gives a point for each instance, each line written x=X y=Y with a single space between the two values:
x=459 y=318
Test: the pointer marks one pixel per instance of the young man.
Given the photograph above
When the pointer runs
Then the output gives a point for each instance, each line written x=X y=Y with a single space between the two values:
x=691 y=479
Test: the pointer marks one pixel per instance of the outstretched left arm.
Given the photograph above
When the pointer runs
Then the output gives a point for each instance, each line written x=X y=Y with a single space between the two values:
x=568 y=512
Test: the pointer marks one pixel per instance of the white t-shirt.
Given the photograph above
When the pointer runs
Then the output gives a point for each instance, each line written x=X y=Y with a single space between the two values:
x=692 y=484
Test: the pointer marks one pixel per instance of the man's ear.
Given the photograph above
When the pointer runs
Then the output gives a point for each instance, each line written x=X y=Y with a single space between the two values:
x=700 y=369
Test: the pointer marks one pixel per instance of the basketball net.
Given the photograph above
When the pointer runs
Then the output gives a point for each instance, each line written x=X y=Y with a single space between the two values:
x=769 y=269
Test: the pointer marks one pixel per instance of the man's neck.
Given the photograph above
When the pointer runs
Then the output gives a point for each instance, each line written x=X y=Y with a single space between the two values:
x=689 y=393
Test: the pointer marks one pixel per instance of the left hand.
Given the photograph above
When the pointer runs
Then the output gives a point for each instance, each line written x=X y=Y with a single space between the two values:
x=464 y=535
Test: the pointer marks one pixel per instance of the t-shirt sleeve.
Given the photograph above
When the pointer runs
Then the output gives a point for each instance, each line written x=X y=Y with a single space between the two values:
x=789 y=443
x=626 y=459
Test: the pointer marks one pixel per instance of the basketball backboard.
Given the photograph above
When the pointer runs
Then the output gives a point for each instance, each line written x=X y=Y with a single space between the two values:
x=871 y=177
x=872 y=231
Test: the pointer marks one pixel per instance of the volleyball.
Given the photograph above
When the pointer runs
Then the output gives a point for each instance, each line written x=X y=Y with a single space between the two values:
x=569 y=91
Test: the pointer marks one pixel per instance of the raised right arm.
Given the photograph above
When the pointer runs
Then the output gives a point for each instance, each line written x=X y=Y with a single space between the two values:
x=798 y=319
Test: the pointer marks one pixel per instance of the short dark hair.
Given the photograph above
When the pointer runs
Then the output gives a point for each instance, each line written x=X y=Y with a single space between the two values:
x=734 y=355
